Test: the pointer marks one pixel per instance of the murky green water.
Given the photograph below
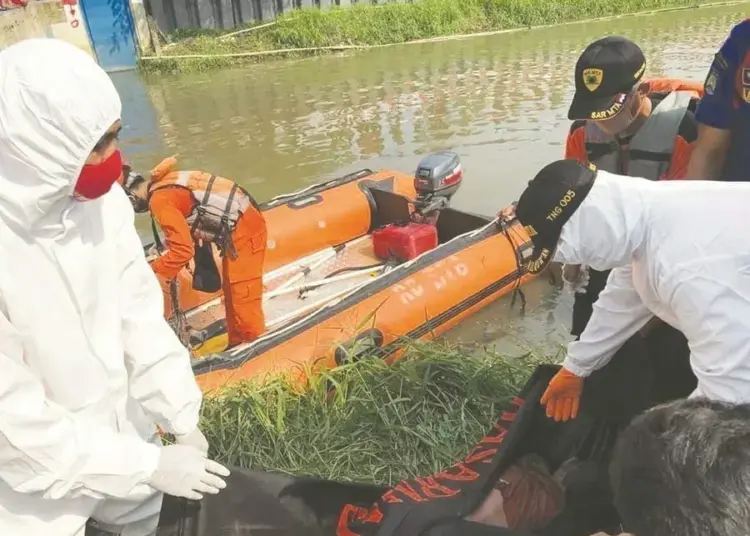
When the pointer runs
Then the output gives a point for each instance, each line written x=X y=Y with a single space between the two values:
x=499 y=101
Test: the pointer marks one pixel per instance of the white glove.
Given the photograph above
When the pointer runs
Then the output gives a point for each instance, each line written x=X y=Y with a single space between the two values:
x=185 y=471
x=194 y=439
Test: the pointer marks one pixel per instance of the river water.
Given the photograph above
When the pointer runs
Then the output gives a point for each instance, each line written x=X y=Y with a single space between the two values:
x=499 y=101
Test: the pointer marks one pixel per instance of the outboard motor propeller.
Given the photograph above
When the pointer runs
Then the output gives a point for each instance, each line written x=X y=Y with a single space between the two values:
x=437 y=179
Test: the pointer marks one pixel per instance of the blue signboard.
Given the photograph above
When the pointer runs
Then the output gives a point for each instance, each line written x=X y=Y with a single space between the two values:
x=112 y=32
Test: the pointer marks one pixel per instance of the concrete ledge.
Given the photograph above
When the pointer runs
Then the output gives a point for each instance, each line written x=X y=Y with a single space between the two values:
x=142 y=31
x=43 y=19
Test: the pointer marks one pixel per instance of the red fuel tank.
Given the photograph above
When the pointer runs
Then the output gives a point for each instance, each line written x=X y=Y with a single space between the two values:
x=404 y=242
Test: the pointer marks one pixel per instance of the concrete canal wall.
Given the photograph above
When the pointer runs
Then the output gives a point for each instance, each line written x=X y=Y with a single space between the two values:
x=44 y=19
x=112 y=31
x=223 y=14
x=65 y=19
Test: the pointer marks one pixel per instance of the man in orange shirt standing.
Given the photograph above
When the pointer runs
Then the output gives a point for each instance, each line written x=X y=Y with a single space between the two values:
x=627 y=125
x=194 y=208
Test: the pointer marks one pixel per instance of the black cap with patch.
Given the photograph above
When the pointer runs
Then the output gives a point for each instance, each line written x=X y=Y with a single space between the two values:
x=548 y=203
x=604 y=75
x=131 y=179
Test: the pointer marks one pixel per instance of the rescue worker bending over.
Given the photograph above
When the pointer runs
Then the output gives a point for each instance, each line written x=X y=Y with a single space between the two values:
x=723 y=115
x=194 y=208
x=666 y=261
x=628 y=125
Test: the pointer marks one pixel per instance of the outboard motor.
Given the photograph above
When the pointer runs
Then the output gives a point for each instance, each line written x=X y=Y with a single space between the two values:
x=438 y=177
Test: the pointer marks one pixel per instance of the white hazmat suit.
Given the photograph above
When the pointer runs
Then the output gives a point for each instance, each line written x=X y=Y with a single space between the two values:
x=679 y=250
x=88 y=363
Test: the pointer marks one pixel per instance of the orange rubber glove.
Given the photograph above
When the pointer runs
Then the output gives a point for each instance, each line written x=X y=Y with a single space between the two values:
x=563 y=396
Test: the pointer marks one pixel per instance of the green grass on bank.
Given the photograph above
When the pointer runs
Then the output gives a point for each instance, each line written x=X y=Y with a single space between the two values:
x=367 y=25
x=382 y=422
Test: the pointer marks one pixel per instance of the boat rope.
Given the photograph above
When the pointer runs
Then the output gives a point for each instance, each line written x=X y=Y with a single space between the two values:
x=517 y=292
x=179 y=321
x=352 y=268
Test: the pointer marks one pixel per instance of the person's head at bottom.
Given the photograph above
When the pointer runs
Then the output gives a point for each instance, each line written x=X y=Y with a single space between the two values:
x=609 y=86
x=59 y=123
x=525 y=497
x=683 y=469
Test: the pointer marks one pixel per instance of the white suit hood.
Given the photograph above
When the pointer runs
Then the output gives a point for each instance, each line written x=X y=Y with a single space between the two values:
x=608 y=228
x=89 y=363
x=48 y=127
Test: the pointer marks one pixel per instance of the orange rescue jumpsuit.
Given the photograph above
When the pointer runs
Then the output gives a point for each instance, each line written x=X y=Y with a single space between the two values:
x=242 y=278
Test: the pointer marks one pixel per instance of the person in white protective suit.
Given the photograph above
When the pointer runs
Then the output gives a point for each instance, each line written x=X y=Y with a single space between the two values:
x=678 y=250
x=88 y=363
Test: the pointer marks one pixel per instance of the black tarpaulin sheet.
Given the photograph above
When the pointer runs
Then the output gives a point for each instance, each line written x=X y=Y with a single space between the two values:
x=265 y=503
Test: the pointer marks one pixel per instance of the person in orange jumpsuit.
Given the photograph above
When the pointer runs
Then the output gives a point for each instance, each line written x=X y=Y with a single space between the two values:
x=193 y=208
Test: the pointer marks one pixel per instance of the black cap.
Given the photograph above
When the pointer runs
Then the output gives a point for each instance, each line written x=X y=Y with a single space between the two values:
x=605 y=73
x=548 y=203
x=131 y=179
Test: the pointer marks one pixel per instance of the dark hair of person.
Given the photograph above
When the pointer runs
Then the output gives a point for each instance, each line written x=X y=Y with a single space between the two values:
x=683 y=469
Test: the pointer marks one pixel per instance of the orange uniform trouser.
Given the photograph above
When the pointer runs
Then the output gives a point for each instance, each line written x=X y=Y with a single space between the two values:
x=243 y=279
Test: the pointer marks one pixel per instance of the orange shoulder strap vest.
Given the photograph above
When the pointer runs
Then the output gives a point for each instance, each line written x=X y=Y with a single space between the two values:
x=219 y=202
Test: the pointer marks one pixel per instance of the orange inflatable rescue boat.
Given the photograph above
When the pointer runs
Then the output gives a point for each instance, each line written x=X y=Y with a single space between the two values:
x=353 y=267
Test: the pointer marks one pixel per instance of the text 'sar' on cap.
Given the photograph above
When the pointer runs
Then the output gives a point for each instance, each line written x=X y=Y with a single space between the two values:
x=547 y=204
x=605 y=73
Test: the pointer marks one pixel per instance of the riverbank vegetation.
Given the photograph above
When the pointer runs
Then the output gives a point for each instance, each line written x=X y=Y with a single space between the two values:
x=306 y=31
x=379 y=423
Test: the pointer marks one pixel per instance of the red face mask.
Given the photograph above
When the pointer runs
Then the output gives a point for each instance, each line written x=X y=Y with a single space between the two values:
x=95 y=180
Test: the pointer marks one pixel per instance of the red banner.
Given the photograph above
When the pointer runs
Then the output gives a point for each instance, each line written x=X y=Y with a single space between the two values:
x=12 y=4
